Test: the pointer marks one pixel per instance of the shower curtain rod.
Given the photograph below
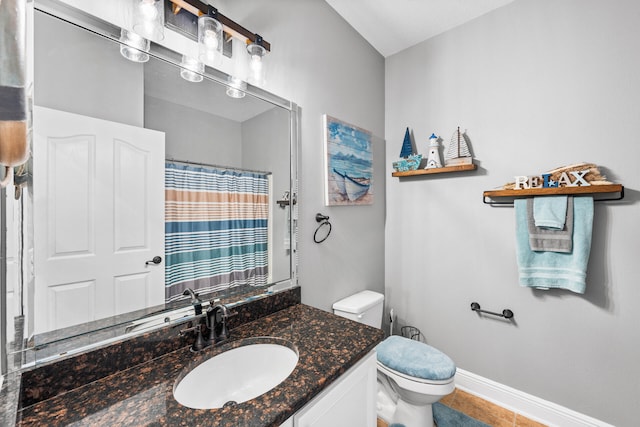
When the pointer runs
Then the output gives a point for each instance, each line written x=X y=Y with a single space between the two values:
x=187 y=162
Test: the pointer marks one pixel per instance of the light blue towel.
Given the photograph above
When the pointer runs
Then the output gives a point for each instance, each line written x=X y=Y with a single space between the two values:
x=550 y=211
x=555 y=269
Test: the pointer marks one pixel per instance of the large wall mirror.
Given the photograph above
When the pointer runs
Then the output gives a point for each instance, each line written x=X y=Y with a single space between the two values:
x=128 y=159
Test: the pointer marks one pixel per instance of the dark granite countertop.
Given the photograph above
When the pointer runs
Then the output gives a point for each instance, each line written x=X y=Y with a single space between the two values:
x=142 y=395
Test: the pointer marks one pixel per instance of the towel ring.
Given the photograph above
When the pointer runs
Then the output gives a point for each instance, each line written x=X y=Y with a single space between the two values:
x=323 y=220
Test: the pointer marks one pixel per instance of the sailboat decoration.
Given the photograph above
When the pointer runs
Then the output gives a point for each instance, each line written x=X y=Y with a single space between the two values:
x=409 y=160
x=458 y=152
x=353 y=188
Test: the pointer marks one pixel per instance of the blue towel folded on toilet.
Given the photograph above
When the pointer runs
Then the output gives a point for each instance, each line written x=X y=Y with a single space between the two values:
x=415 y=358
x=556 y=269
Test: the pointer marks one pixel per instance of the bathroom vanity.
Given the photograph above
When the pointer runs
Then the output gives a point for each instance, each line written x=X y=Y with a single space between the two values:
x=335 y=377
x=350 y=400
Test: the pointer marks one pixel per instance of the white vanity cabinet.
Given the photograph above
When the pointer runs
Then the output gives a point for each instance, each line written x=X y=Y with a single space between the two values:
x=349 y=401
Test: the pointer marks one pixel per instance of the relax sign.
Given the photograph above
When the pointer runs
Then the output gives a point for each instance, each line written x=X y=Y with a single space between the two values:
x=571 y=179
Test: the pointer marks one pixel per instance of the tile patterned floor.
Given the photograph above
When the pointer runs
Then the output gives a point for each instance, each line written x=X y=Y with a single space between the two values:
x=482 y=410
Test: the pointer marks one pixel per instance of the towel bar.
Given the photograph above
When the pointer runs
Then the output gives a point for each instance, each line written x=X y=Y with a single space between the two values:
x=506 y=313
x=488 y=197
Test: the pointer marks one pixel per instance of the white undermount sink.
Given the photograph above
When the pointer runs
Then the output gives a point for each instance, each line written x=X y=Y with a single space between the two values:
x=236 y=375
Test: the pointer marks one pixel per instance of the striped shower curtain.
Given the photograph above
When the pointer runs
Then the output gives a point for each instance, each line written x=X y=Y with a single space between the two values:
x=216 y=232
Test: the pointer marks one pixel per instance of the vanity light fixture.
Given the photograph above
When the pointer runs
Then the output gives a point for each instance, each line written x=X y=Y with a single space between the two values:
x=236 y=88
x=256 y=52
x=210 y=38
x=251 y=47
x=239 y=69
x=145 y=22
x=192 y=69
x=148 y=19
x=133 y=46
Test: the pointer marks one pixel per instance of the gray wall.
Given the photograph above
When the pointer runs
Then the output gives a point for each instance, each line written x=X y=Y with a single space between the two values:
x=265 y=146
x=323 y=65
x=538 y=84
x=212 y=139
x=67 y=72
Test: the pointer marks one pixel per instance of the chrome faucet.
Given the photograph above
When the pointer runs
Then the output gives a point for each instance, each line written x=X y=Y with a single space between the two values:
x=195 y=298
x=216 y=323
x=217 y=316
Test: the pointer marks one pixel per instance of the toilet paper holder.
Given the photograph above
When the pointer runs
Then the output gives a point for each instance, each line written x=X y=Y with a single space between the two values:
x=506 y=313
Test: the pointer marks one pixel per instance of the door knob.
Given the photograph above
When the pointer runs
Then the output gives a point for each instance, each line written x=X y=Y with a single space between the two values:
x=156 y=260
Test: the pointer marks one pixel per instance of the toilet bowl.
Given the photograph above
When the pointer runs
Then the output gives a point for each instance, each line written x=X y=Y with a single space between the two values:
x=419 y=374
x=412 y=374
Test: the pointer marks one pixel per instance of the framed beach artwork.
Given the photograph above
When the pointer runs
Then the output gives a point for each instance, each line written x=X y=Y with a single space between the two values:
x=349 y=163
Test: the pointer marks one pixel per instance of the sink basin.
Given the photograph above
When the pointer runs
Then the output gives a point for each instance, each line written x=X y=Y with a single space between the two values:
x=236 y=375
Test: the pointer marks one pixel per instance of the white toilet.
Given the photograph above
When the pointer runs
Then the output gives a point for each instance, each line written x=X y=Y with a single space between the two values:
x=411 y=374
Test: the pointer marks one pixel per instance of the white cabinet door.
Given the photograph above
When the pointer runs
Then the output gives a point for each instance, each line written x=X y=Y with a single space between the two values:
x=98 y=217
x=350 y=401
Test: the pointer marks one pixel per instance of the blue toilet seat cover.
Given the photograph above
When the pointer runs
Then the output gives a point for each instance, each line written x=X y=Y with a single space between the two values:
x=415 y=359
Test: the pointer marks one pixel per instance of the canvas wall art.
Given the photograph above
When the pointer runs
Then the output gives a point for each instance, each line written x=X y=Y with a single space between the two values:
x=349 y=163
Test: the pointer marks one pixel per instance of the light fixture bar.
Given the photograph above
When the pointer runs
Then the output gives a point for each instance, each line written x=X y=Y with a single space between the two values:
x=199 y=8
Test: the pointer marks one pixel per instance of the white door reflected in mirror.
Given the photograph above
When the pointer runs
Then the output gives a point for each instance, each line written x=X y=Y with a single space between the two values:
x=96 y=195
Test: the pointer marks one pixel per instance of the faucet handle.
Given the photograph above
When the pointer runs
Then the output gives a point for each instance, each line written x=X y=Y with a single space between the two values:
x=199 y=343
x=224 y=330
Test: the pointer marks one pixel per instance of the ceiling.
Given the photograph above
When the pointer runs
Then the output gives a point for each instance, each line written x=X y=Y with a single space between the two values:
x=394 y=25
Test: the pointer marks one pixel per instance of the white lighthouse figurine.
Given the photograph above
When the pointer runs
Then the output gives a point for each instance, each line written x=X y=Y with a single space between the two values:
x=433 y=161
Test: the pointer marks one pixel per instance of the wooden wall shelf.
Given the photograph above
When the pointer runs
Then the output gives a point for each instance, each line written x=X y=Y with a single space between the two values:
x=531 y=192
x=458 y=168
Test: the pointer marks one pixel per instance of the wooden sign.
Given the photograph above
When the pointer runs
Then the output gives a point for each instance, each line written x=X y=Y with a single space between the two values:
x=571 y=179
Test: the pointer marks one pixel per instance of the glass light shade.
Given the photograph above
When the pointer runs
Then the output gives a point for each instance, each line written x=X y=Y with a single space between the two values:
x=148 y=19
x=192 y=69
x=209 y=41
x=240 y=59
x=256 y=65
x=134 y=47
x=236 y=87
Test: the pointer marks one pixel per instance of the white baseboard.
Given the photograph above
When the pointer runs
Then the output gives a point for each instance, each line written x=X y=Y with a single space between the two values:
x=532 y=407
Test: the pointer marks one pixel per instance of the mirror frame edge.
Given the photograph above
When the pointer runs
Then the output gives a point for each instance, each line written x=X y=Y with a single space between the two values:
x=3 y=284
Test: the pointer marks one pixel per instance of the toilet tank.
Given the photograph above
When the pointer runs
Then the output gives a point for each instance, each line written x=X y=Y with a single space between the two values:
x=364 y=307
